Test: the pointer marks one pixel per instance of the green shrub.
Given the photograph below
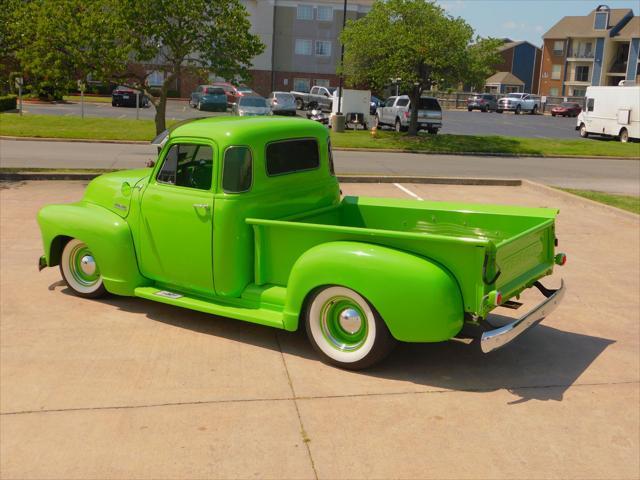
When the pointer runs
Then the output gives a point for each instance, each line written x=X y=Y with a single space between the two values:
x=7 y=102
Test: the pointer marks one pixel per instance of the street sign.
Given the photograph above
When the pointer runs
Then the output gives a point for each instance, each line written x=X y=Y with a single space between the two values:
x=19 y=81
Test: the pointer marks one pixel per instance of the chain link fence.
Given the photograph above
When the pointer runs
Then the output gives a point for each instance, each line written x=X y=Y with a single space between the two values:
x=458 y=100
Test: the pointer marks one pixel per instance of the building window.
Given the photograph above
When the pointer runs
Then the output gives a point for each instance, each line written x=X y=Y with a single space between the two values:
x=553 y=92
x=582 y=74
x=558 y=47
x=601 y=21
x=303 y=47
x=304 y=12
x=325 y=14
x=301 y=84
x=323 y=48
x=155 y=79
x=322 y=82
x=579 y=92
x=555 y=72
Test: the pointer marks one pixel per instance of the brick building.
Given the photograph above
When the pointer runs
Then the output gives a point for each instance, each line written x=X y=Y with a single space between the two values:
x=600 y=48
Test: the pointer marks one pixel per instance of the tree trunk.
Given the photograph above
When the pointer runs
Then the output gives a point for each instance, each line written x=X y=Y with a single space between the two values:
x=414 y=96
x=161 y=106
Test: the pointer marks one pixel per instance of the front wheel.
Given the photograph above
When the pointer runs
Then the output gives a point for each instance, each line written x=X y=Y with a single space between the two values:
x=80 y=270
x=583 y=131
x=346 y=330
x=534 y=110
x=498 y=111
x=433 y=131
x=518 y=109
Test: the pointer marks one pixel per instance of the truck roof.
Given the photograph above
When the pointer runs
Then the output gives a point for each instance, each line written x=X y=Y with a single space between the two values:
x=245 y=130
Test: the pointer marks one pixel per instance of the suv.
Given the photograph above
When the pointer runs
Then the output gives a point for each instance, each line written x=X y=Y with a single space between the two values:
x=396 y=112
x=482 y=101
x=518 y=103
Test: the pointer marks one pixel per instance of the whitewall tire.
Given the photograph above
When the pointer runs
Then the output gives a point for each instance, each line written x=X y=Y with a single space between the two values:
x=80 y=270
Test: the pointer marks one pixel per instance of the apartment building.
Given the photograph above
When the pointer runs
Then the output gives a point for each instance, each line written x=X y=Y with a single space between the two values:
x=600 y=48
x=302 y=41
x=519 y=69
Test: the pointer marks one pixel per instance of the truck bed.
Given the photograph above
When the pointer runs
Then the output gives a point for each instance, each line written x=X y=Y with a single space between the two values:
x=485 y=247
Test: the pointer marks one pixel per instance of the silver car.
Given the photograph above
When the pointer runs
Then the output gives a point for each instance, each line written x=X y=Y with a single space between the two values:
x=282 y=103
x=252 y=106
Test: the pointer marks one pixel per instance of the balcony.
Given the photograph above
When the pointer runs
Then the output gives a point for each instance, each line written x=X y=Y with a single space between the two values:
x=581 y=55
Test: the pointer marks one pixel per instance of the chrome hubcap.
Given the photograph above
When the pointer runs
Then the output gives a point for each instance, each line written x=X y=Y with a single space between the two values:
x=88 y=265
x=350 y=320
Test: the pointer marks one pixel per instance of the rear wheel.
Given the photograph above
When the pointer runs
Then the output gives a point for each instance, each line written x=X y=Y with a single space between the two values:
x=470 y=109
x=378 y=122
x=624 y=135
x=346 y=330
x=80 y=270
x=398 y=125
x=432 y=131
x=299 y=104
x=518 y=110
x=583 y=131
x=499 y=111
x=534 y=110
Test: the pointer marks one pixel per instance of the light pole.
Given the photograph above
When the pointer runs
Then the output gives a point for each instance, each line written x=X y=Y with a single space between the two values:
x=344 y=22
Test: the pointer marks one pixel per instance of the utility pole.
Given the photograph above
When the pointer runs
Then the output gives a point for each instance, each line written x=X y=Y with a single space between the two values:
x=338 y=119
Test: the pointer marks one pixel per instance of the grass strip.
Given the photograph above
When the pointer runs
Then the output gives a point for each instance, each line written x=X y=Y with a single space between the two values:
x=52 y=126
x=625 y=202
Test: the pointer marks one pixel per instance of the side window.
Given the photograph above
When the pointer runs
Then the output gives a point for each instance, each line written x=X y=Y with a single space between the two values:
x=314 y=90
x=403 y=102
x=390 y=101
x=291 y=156
x=187 y=165
x=590 y=104
x=237 y=170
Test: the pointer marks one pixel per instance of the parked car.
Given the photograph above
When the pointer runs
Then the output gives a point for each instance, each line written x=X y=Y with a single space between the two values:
x=611 y=112
x=208 y=97
x=518 y=103
x=566 y=109
x=375 y=103
x=285 y=250
x=126 y=97
x=396 y=113
x=232 y=92
x=318 y=98
x=244 y=90
x=251 y=106
x=485 y=102
x=282 y=103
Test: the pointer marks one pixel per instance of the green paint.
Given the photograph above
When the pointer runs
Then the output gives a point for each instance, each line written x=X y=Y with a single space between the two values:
x=257 y=256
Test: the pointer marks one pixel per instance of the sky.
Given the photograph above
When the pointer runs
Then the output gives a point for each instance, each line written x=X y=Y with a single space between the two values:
x=523 y=19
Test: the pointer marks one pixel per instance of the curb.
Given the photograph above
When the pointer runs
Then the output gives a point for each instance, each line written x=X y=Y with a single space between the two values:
x=335 y=149
x=571 y=196
x=28 y=176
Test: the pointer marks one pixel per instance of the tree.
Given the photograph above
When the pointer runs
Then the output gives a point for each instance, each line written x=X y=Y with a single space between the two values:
x=414 y=40
x=66 y=40
x=482 y=57
x=190 y=36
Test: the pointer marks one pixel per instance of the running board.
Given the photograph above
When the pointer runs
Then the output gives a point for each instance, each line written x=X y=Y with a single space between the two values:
x=270 y=318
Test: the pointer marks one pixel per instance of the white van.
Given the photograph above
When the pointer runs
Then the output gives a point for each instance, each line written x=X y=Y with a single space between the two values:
x=611 y=111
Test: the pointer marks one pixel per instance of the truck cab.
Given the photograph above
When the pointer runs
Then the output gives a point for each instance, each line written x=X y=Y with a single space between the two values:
x=243 y=218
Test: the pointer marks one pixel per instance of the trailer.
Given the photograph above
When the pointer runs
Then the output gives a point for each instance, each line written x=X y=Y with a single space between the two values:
x=611 y=112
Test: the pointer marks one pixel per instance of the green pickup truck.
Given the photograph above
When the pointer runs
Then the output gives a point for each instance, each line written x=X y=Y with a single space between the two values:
x=243 y=218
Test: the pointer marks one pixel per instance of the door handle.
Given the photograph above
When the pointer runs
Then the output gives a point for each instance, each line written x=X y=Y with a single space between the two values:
x=206 y=206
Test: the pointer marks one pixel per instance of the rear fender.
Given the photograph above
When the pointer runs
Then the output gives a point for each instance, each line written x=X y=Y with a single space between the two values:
x=419 y=300
x=107 y=235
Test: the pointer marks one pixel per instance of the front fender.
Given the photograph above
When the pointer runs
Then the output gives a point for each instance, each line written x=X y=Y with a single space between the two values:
x=107 y=235
x=419 y=300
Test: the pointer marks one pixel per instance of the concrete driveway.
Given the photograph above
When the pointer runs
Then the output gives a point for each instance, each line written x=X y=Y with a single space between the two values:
x=127 y=388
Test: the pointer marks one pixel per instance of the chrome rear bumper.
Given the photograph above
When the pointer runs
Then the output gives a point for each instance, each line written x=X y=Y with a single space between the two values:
x=493 y=339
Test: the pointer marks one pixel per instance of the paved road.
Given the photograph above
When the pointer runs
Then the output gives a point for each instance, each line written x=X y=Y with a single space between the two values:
x=128 y=388
x=616 y=176
x=455 y=121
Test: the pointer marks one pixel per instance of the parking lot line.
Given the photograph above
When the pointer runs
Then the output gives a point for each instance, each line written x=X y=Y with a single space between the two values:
x=408 y=192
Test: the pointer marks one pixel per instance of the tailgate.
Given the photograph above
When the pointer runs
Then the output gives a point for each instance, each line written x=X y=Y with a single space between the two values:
x=525 y=258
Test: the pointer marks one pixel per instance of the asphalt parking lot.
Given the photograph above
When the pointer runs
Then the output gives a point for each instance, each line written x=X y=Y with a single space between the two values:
x=458 y=122
x=127 y=388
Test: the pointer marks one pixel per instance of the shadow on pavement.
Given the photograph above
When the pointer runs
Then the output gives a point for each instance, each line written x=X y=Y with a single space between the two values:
x=540 y=365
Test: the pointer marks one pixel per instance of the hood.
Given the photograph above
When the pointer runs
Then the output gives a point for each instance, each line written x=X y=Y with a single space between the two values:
x=113 y=190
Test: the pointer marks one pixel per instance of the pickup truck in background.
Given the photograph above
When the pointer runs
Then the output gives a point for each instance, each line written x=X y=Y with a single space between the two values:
x=396 y=113
x=320 y=98
x=519 y=103
x=243 y=218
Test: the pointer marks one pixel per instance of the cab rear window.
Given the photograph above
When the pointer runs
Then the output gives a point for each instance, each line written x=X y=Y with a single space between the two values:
x=430 y=104
x=290 y=156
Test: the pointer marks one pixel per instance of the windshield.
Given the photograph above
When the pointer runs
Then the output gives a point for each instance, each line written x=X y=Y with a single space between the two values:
x=244 y=89
x=331 y=89
x=252 y=102
x=514 y=95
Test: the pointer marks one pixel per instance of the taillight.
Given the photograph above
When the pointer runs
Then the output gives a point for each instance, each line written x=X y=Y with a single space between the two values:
x=561 y=259
x=406 y=114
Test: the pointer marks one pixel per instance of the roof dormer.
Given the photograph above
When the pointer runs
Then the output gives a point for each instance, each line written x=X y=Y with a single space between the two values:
x=601 y=18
